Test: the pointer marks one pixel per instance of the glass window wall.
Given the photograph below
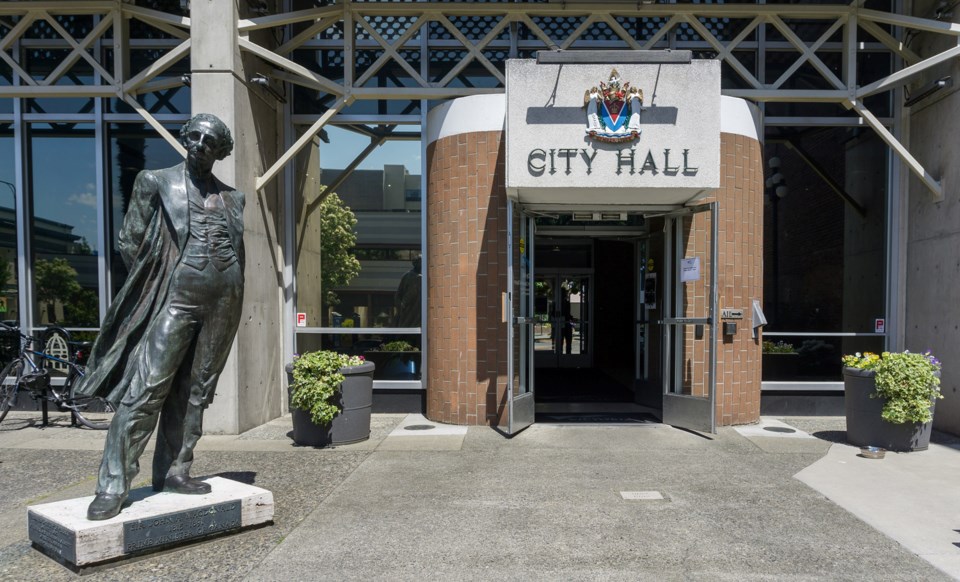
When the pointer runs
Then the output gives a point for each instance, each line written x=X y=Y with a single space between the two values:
x=9 y=295
x=63 y=224
x=825 y=221
x=824 y=249
x=132 y=147
x=359 y=248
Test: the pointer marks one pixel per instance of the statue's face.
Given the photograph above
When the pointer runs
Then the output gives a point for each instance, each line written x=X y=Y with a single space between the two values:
x=204 y=145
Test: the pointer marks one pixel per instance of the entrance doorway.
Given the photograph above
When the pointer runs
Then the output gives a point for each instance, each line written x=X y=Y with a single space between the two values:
x=584 y=305
x=614 y=320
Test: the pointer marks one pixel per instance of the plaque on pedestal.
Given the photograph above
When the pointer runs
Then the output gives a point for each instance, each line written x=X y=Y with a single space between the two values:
x=150 y=521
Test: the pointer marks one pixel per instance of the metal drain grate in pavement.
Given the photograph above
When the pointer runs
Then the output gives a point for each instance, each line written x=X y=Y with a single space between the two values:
x=419 y=427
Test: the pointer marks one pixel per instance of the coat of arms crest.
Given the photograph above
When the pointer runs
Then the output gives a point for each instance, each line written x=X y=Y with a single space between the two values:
x=613 y=110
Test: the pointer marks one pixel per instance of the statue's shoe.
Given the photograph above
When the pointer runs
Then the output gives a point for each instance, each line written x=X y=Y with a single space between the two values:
x=186 y=485
x=105 y=506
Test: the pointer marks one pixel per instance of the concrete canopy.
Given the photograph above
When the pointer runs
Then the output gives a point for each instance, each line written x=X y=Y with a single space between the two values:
x=553 y=162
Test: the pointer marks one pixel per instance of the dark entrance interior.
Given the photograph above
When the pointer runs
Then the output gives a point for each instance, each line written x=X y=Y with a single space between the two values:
x=586 y=336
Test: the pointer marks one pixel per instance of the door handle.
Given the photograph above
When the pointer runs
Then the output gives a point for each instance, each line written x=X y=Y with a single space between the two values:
x=686 y=321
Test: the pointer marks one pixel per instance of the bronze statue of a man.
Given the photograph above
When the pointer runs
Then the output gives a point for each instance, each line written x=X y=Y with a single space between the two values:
x=165 y=338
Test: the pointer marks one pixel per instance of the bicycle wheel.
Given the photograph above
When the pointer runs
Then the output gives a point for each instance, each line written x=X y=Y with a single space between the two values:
x=9 y=381
x=90 y=411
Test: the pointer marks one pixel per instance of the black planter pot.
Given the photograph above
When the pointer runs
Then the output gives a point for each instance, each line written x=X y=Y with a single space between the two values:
x=866 y=426
x=352 y=425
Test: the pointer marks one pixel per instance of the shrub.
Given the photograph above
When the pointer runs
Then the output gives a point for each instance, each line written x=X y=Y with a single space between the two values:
x=908 y=381
x=316 y=377
x=397 y=346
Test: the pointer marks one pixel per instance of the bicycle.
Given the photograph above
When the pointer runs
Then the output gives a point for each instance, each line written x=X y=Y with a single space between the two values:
x=23 y=373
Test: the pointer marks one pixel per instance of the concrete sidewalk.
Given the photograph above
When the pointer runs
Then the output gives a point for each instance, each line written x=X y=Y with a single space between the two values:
x=570 y=502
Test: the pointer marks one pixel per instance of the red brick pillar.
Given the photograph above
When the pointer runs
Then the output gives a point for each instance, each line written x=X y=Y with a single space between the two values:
x=740 y=279
x=739 y=272
x=466 y=355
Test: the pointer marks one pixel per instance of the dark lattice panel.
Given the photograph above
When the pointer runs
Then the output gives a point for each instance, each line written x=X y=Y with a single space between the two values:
x=473 y=27
x=77 y=25
x=335 y=32
x=389 y=27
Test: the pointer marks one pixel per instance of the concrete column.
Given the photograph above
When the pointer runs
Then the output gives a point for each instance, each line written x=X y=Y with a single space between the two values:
x=249 y=391
x=932 y=319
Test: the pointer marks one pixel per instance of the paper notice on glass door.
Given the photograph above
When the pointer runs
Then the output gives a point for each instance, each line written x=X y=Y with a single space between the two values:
x=690 y=269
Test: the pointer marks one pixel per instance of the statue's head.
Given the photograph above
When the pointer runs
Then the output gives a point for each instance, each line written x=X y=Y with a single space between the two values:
x=205 y=131
x=417 y=261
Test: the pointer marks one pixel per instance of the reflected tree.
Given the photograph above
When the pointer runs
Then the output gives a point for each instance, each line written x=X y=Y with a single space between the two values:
x=83 y=309
x=338 y=265
x=5 y=272
x=56 y=282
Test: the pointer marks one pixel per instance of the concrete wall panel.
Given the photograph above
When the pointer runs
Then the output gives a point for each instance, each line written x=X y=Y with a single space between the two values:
x=932 y=232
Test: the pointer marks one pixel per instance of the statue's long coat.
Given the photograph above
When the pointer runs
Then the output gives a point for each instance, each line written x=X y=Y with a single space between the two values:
x=154 y=234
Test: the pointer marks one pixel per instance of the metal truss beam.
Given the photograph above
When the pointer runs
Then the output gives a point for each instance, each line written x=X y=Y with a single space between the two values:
x=306 y=138
x=932 y=184
x=843 y=89
x=360 y=24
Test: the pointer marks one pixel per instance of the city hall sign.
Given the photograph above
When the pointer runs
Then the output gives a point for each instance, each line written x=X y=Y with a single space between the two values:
x=585 y=135
x=542 y=161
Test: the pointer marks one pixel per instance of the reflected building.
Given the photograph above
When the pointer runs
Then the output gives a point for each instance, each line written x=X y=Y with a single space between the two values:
x=51 y=240
x=387 y=206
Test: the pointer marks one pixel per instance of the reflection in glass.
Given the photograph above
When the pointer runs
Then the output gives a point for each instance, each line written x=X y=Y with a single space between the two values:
x=6 y=79
x=63 y=224
x=396 y=357
x=562 y=318
x=408 y=296
x=812 y=358
x=543 y=308
x=9 y=297
x=132 y=147
x=824 y=254
x=383 y=197
x=40 y=63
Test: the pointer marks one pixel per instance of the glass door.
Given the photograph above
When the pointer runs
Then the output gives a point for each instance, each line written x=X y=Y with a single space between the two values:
x=646 y=300
x=689 y=329
x=518 y=304
x=562 y=321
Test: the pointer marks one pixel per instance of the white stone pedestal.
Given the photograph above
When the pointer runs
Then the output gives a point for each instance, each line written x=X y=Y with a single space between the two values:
x=150 y=521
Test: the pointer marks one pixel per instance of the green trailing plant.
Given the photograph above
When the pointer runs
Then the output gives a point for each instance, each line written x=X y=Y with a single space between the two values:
x=781 y=347
x=397 y=346
x=316 y=378
x=909 y=382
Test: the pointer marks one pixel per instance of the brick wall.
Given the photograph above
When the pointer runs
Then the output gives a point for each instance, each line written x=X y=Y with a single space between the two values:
x=467 y=272
x=466 y=265
x=740 y=278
